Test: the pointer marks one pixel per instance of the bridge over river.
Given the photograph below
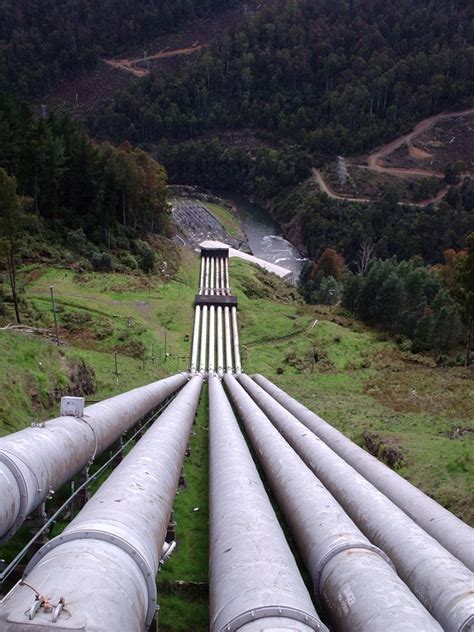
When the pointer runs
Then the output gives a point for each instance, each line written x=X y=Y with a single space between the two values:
x=381 y=555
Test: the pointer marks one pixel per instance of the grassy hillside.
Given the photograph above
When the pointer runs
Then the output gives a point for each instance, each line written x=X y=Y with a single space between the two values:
x=412 y=414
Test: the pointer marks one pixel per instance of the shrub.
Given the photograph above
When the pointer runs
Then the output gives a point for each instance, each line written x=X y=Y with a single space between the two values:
x=102 y=262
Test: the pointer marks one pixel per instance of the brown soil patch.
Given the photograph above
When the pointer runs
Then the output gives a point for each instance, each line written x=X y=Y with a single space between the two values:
x=440 y=139
x=80 y=97
x=418 y=153
x=142 y=66
x=424 y=390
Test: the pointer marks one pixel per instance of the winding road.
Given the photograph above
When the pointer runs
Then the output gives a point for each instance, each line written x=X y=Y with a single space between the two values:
x=375 y=162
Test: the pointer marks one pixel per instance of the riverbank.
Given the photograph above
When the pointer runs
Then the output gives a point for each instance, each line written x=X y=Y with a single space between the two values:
x=232 y=219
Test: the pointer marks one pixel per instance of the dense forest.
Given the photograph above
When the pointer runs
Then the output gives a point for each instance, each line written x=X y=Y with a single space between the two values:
x=334 y=75
x=425 y=308
x=405 y=298
x=391 y=229
x=45 y=41
x=298 y=86
x=94 y=197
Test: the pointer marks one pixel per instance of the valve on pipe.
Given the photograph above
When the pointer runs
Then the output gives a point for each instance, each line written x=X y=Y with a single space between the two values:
x=254 y=582
x=450 y=531
x=352 y=579
x=38 y=460
x=439 y=580
x=99 y=574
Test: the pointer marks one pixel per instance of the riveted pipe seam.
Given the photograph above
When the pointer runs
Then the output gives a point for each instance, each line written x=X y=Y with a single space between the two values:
x=121 y=543
x=268 y=612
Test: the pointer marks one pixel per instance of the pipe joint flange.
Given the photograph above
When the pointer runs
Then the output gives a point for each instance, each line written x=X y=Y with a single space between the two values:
x=104 y=536
x=327 y=557
x=468 y=625
x=23 y=489
x=267 y=612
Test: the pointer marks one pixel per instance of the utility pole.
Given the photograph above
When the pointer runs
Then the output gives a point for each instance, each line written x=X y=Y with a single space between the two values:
x=53 y=308
x=117 y=372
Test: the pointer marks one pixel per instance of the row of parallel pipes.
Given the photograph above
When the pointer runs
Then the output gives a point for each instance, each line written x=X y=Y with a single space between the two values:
x=353 y=580
x=254 y=581
x=37 y=461
x=215 y=347
x=455 y=535
x=99 y=574
x=441 y=582
x=375 y=565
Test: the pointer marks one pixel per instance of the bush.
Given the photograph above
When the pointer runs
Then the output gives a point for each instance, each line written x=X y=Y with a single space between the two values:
x=129 y=261
x=76 y=321
x=146 y=256
x=102 y=262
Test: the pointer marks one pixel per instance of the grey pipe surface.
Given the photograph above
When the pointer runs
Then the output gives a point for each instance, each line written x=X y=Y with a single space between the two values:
x=452 y=533
x=202 y=357
x=353 y=579
x=440 y=581
x=228 y=341
x=201 y=276
x=212 y=338
x=195 y=347
x=206 y=275
x=36 y=460
x=226 y=271
x=218 y=278
x=253 y=576
x=235 y=331
x=104 y=563
x=212 y=283
x=222 y=275
x=220 y=342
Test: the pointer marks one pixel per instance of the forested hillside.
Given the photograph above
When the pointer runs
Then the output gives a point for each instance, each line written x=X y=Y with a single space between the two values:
x=337 y=76
x=45 y=41
x=295 y=86
x=76 y=190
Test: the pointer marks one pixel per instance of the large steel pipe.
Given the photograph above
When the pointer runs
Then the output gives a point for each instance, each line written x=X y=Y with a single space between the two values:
x=226 y=273
x=38 y=460
x=222 y=276
x=452 y=533
x=228 y=341
x=254 y=582
x=103 y=566
x=212 y=283
x=212 y=338
x=352 y=578
x=235 y=331
x=195 y=347
x=202 y=357
x=201 y=276
x=206 y=275
x=220 y=342
x=440 y=581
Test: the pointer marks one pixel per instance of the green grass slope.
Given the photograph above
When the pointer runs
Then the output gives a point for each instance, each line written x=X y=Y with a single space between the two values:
x=408 y=411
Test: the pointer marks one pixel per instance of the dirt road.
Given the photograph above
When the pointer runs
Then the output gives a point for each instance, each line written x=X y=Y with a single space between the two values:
x=375 y=160
x=132 y=65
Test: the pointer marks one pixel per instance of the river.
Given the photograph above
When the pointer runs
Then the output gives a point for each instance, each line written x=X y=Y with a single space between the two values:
x=265 y=237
